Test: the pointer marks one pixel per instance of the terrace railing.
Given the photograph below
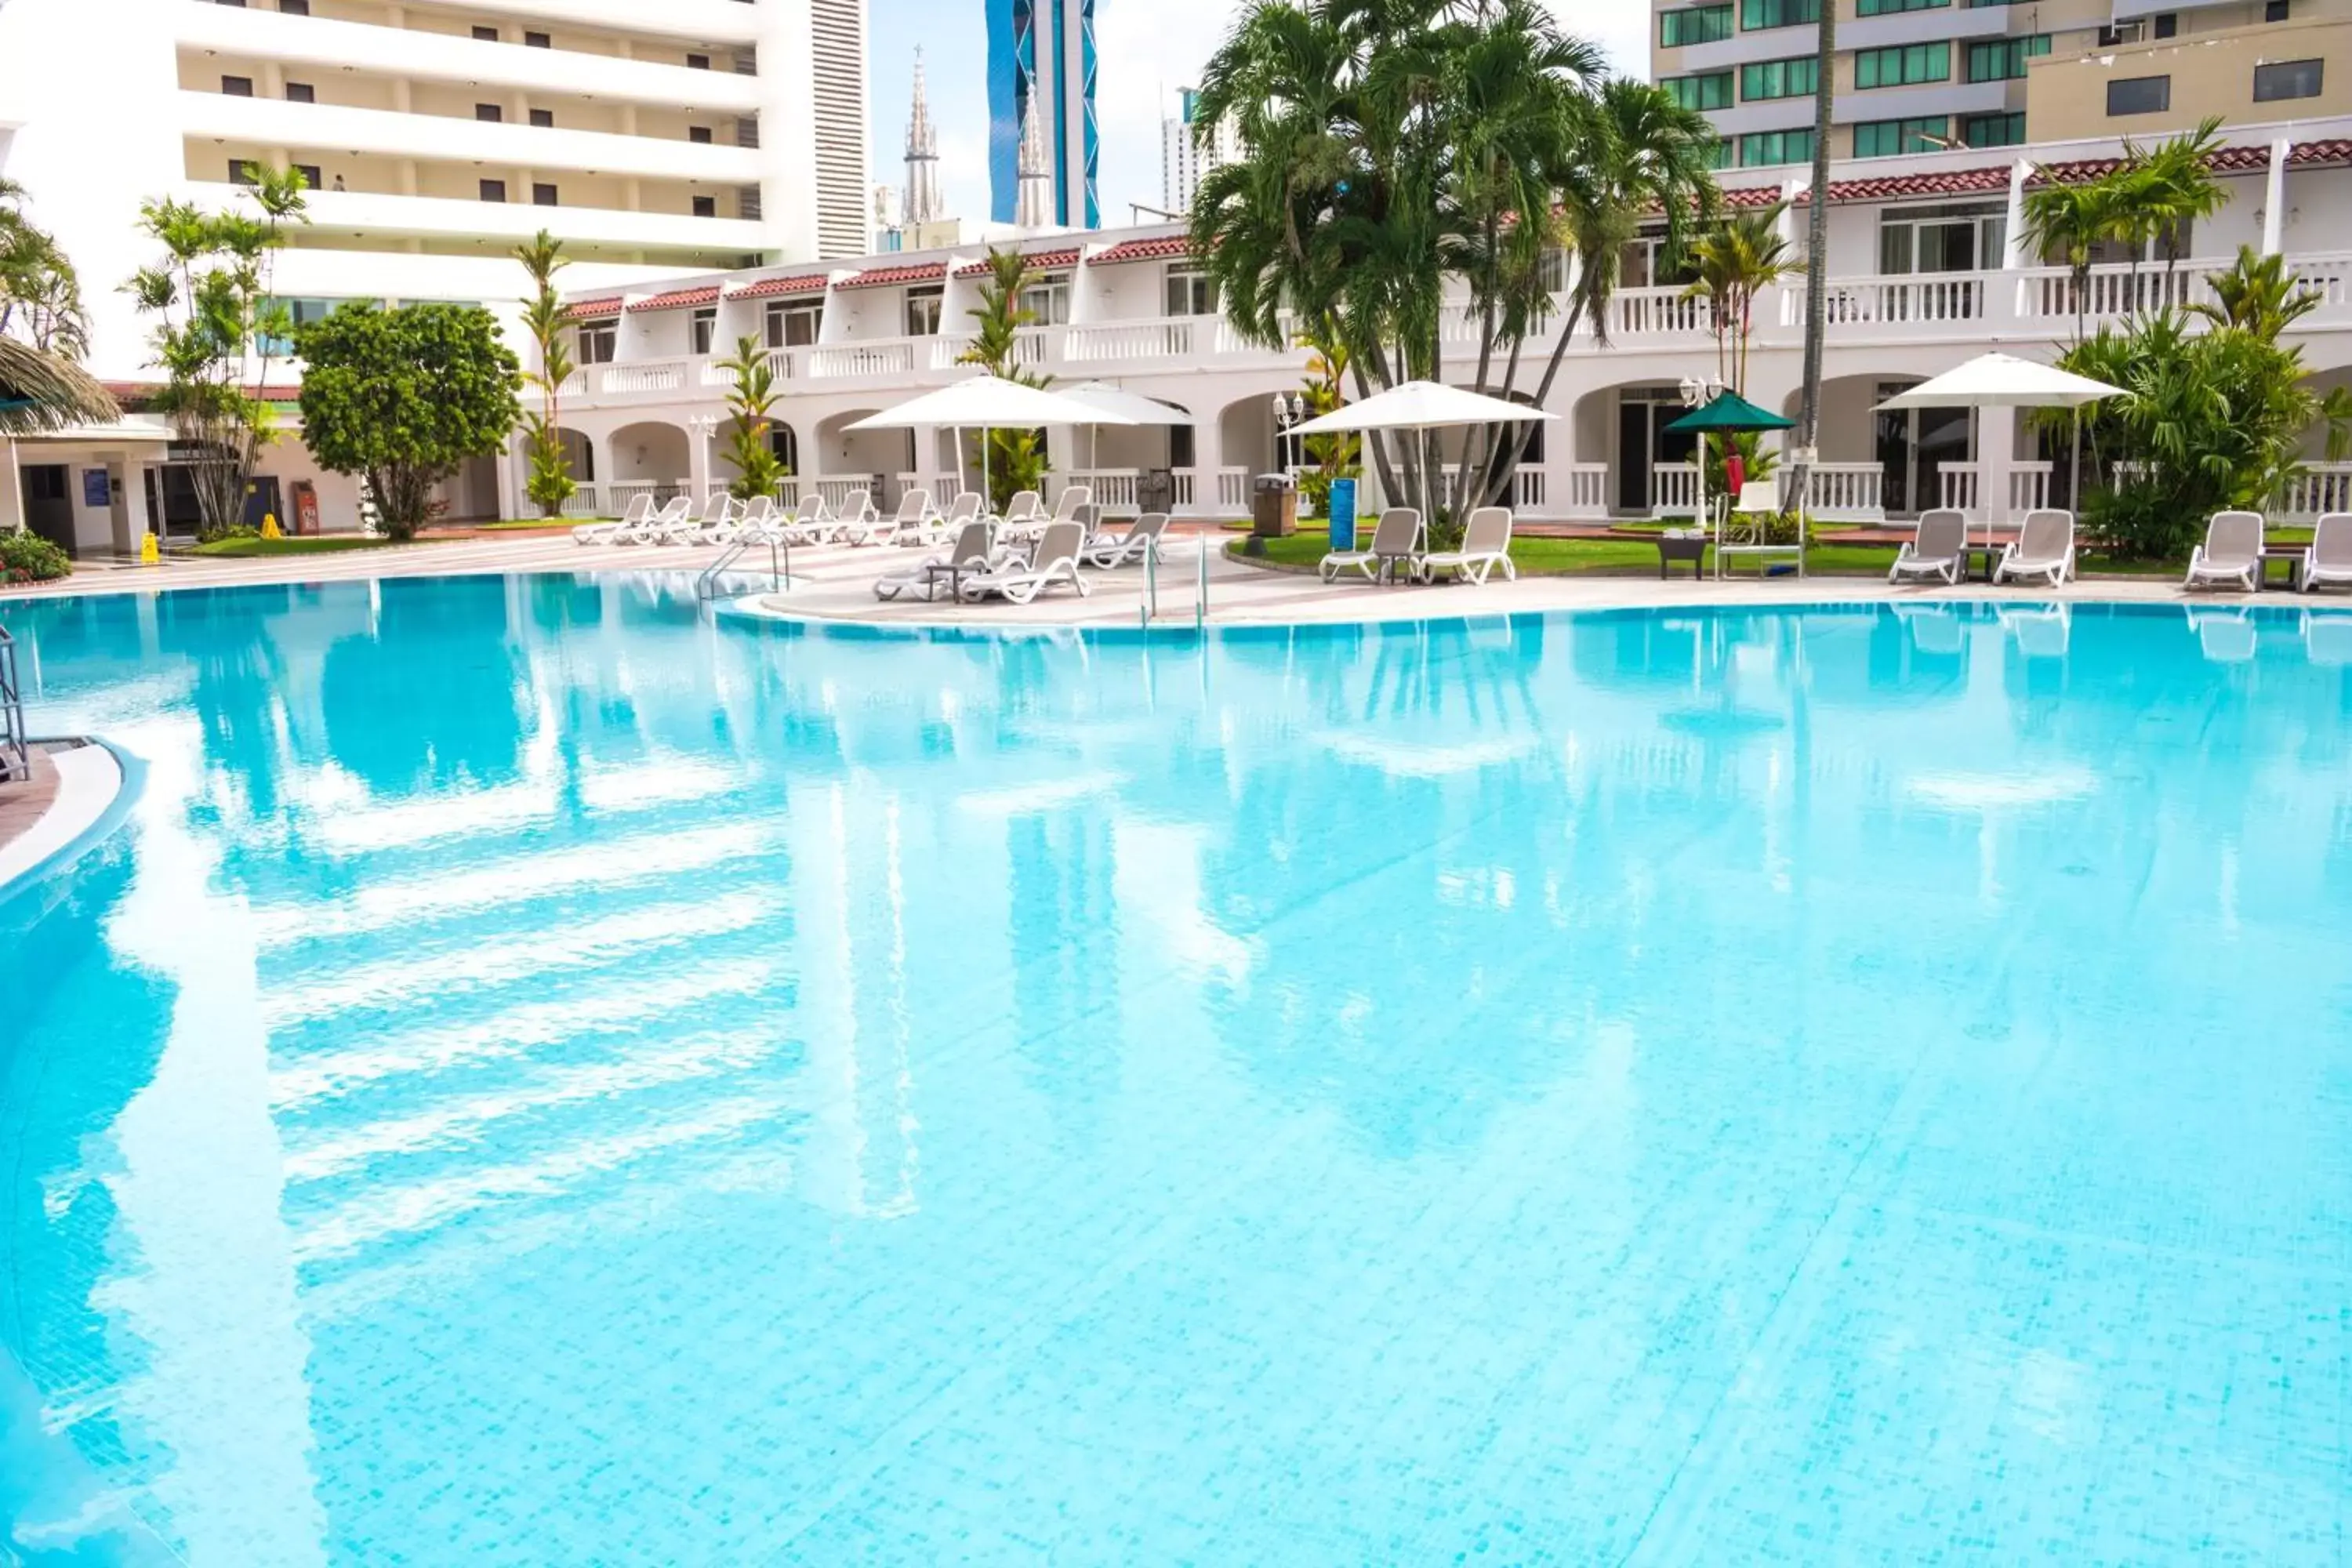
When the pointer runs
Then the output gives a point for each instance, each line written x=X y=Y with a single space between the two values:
x=1962 y=485
x=2317 y=490
x=1840 y=493
x=1585 y=490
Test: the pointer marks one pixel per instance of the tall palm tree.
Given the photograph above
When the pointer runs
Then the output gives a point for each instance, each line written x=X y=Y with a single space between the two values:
x=42 y=391
x=1736 y=260
x=2067 y=222
x=40 y=294
x=1817 y=244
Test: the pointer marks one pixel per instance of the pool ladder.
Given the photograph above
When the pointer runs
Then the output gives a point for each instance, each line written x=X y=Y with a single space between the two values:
x=706 y=586
x=1150 y=608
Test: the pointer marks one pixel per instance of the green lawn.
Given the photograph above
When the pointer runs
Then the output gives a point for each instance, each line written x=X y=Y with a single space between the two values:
x=297 y=544
x=1539 y=556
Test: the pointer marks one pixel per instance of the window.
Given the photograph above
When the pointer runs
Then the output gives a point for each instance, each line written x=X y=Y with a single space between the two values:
x=698 y=134
x=2117 y=33
x=490 y=114
x=494 y=190
x=240 y=171
x=1758 y=16
x=2286 y=79
x=923 y=310
x=237 y=86
x=1191 y=292
x=1712 y=90
x=545 y=196
x=301 y=313
x=792 y=326
x=1889 y=7
x=1761 y=147
x=537 y=41
x=596 y=341
x=1048 y=300
x=1886 y=138
x=300 y=92
x=543 y=118
x=2274 y=10
x=2003 y=59
x=2167 y=23
x=485 y=35
x=706 y=206
x=311 y=178
x=1719 y=154
x=294 y=7
x=1966 y=236
x=1796 y=77
x=698 y=62
x=1903 y=65
x=1694 y=24
x=1993 y=130
x=701 y=327
x=2139 y=95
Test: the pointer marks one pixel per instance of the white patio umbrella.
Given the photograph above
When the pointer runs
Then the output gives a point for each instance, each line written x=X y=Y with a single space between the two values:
x=988 y=403
x=2004 y=381
x=1420 y=405
x=1138 y=409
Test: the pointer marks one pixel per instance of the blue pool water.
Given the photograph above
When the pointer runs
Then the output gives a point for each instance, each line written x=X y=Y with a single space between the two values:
x=544 y=1078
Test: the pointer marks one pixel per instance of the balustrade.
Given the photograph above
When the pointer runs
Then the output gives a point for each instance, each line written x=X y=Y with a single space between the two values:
x=861 y=359
x=639 y=378
x=1587 y=485
x=1673 y=490
x=2315 y=489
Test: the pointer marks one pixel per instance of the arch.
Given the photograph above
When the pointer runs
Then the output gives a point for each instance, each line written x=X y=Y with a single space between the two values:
x=1622 y=425
x=1246 y=434
x=785 y=443
x=653 y=450
x=578 y=453
x=1910 y=447
x=840 y=450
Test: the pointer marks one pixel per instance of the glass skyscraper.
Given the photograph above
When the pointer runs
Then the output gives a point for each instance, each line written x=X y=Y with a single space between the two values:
x=1042 y=53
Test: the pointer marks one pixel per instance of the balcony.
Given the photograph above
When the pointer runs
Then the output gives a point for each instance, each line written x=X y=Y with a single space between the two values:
x=273 y=122
x=444 y=56
x=442 y=217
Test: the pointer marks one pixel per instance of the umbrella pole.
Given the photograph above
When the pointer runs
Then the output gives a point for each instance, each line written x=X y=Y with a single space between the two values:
x=2075 y=490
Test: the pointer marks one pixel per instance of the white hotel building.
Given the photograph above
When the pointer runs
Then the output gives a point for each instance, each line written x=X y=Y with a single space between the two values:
x=1924 y=272
x=657 y=141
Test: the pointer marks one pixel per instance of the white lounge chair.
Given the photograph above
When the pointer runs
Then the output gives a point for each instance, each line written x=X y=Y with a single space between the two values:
x=810 y=522
x=913 y=507
x=1486 y=545
x=759 y=521
x=640 y=508
x=2223 y=636
x=1398 y=538
x=721 y=514
x=2043 y=548
x=938 y=528
x=1938 y=549
x=658 y=523
x=973 y=549
x=2231 y=553
x=1055 y=560
x=1121 y=549
x=2327 y=562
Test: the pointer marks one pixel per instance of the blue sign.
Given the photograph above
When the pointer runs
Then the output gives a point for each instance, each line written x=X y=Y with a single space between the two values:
x=95 y=490
x=1343 y=514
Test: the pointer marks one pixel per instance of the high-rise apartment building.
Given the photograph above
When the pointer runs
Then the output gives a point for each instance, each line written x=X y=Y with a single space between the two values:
x=1183 y=162
x=1040 y=62
x=1917 y=75
x=651 y=139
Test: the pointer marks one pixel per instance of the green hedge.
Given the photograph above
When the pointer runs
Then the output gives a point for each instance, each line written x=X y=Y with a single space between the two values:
x=29 y=558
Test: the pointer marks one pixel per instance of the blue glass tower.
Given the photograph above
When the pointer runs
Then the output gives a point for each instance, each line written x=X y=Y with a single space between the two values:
x=1041 y=52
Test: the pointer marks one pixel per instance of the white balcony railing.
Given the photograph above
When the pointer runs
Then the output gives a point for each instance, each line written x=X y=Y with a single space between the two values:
x=1839 y=492
x=2049 y=294
x=1962 y=485
x=581 y=503
x=1527 y=488
x=1233 y=491
x=1673 y=490
x=842 y=361
x=642 y=378
x=2318 y=488
x=1918 y=299
x=1114 y=489
x=1658 y=313
x=1169 y=339
x=1585 y=490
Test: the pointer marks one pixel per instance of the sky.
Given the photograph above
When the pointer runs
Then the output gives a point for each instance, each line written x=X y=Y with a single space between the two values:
x=1146 y=51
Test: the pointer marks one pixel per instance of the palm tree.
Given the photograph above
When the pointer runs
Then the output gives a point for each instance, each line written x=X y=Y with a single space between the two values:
x=2172 y=189
x=550 y=483
x=40 y=294
x=1014 y=459
x=2068 y=222
x=1817 y=244
x=1735 y=261
x=42 y=391
x=2257 y=295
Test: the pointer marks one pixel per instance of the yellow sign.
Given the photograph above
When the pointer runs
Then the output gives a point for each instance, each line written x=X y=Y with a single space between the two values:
x=269 y=526
x=150 y=552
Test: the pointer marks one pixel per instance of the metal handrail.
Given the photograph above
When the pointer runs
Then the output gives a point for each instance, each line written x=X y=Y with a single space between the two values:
x=16 y=753
x=706 y=586
x=1151 y=607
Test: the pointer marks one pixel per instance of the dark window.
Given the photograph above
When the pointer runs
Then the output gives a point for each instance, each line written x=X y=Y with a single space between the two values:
x=488 y=112
x=1758 y=16
x=2139 y=95
x=700 y=134
x=1903 y=65
x=596 y=342
x=537 y=41
x=237 y=86
x=240 y=171
x=300 y=92
x=494 y=190
x=487 y=35
x=698 y=62
x=310 y=176
x=706 y=206
x=1886 y=138
x=295 y=7
x=1888 y=8
x=1761 y=147
x=1712 y=90
x=1694 y=24
x=543 y=118
x=1993 y=130
x=792 y=326
x=2274 y=10
x=2118 y=34
x=700 y=328
x=543 y=195
x=2286 y=79
x=1780 y=78
x=2003 y=59
x=2167 y=23
x=238 y=4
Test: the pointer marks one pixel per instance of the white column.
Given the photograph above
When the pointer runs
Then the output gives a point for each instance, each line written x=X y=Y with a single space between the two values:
x=787 y=43
x=127 y=476
x=511 y=478
x=2013 y=250
x=2274 y=199
x=697 y=448
x=11 y=489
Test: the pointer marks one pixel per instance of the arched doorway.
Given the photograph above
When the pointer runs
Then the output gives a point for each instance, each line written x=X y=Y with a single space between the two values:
x=652 y=453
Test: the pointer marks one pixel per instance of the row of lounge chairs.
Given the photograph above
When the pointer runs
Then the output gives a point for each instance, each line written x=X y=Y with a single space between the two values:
x=1398 y=543
x=996 y=558
x=724 y=520
x=2231 y=555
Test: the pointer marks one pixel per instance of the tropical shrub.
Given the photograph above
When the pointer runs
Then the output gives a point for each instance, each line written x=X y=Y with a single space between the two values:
x=550 y=483
x=1015 y=460
x=1336 y=457
x=28 y=558
x=750 y=399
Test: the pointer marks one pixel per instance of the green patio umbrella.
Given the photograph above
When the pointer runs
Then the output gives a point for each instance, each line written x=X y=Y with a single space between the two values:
x=1728 y=414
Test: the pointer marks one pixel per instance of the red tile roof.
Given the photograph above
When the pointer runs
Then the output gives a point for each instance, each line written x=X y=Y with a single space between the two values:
x=2307 y=154
x=1898 y=187
x=914 y=272
x=679 y=299
x=806 y=283
x=1048 y=258
x=1157 y=247
x=585 y=310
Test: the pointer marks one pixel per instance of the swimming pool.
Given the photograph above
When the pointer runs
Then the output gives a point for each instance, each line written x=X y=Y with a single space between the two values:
x=544 y=1077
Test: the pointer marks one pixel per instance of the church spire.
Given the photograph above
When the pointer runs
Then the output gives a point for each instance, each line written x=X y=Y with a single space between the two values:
x=921 y=202
x=1034 y=208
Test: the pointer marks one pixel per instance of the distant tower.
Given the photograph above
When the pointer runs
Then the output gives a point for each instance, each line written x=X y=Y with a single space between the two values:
x=1034 y=206
x=922 y=192
x=1040 y=68
x=1182 y=163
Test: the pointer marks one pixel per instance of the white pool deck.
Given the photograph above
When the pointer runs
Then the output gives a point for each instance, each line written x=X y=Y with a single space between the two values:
x=835 y=583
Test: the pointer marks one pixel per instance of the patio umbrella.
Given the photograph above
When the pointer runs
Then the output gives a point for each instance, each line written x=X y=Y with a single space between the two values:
x=988 y=403
x=2004 y=381
x=1421 y=405
x=1138 y=409
x=1728 y=413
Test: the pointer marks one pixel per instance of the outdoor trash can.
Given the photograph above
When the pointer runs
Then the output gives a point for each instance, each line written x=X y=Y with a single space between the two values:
x=1274 y=511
